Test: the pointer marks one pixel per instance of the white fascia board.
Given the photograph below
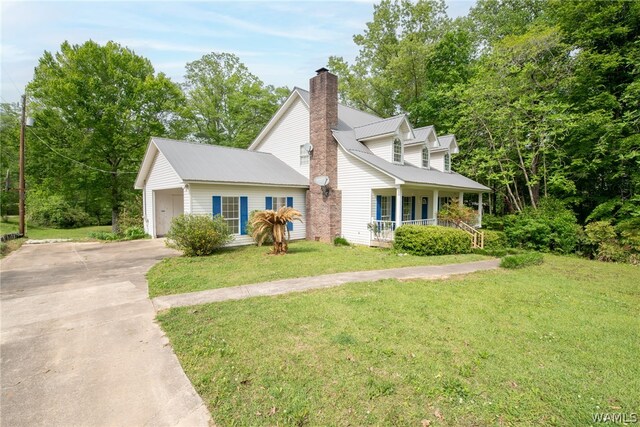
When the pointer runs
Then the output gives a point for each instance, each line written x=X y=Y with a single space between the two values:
x=245 y=184
x=146 y=164
x=276 y=117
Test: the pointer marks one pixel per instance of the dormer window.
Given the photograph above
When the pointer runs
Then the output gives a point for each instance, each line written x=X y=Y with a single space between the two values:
x=447 y=162
x=425 y=157
x=397 y=151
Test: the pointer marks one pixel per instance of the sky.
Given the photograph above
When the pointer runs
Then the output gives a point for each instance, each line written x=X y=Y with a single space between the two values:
x=281 y=42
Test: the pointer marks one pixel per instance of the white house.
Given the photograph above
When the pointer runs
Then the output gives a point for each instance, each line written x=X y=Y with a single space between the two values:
x=342 y=168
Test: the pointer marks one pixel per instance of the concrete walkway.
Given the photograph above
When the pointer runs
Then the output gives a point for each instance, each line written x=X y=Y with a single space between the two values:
x=324 y=281
x=78 y=342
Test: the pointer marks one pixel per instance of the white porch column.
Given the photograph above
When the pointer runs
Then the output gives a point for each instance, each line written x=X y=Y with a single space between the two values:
x=480 y=209
x=460 y=198
x=434 y=205
x=398 y=206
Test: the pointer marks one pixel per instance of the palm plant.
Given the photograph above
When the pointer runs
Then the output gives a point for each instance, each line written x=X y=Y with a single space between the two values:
x=274 y=224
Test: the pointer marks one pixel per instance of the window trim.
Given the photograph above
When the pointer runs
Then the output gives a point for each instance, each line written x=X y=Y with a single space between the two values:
x=447 y=162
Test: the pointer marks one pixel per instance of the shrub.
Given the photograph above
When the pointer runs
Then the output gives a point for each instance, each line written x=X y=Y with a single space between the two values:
x=521 y=260
x=131 y=214
x=420 y=240
x=340 y=241
x=52 y=210
x=135 y=233
x=104 y=235
x=198 y=235
x=495 y=240
x=551 y=227
x=452 y=211
x=492 y=222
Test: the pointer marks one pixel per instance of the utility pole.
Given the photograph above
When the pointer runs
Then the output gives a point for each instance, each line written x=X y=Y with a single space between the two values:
x=21 y=166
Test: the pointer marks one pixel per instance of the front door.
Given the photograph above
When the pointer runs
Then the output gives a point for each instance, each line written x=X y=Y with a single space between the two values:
x=167 y=206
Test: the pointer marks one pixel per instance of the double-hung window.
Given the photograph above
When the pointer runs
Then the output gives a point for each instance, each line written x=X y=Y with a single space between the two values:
x=397 y=151
x=234 y=210
x=407 y=208
x=385 y=208
x=231 y=213
x=278 y=202
x=304 y=156
x=447 y=162
x=425 y=157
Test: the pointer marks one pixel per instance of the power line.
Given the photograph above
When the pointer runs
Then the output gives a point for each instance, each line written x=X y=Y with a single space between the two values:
x=74 y=160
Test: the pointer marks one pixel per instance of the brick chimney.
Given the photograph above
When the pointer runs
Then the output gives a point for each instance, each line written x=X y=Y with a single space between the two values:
x=324 y=211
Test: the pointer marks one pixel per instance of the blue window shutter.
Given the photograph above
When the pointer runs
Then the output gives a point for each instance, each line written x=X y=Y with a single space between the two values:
x=268 y=203
x=244 y=214
x=425 y=210
x=290 y=205
x=393 y=208
x=378 y=208
x=217 y=205
x=413 y=208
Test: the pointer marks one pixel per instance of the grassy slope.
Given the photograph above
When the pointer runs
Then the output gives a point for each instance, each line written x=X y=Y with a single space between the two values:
x=251 y=264
x=546 y=345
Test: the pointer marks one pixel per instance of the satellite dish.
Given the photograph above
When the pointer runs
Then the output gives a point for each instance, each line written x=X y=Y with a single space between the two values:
x=322 y=181
x=307 y=147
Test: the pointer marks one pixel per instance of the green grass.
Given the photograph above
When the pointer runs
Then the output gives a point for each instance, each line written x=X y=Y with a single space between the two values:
x=36 y=232
x=252 y=264
x=544 y=345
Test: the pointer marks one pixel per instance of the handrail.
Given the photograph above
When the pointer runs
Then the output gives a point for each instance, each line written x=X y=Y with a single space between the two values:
x=477 y=237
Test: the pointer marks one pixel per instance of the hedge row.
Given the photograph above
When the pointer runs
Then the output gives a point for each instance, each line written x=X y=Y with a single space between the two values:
x=419 y=240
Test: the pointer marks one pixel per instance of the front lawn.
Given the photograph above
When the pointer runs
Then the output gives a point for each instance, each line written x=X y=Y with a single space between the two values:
x=545 y=345
x=252 y=264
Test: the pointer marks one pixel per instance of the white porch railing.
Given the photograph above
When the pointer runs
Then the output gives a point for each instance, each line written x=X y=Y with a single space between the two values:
x=382 y=231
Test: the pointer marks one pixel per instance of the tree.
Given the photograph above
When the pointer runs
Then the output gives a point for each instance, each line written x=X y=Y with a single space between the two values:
x=411 y=55
x=96 y=107
x=514 y=118
x=227 y=104
x=9 y=140
x=273 y=224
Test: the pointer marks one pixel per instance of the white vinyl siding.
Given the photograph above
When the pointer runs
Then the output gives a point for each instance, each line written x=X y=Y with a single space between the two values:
x=201 y=203
x=357 y=181
x=437 y=161
x=286 y=137
x=162 y=176
x=382 y=148
x=413 y=155
x=304 y=156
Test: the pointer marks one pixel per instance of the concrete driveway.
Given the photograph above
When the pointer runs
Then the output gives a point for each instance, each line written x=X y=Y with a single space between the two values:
x=79 y=345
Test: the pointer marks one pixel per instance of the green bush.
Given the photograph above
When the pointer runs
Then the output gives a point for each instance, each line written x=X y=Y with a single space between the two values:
x=131 y=214
x=104 y=235
x=521 y=260
x=495 y=240
x=52 y=210
x=340 y=241
x=134 y=233
x=492 y=222
x=420 y=240
x=551 y=227
x=198 y=235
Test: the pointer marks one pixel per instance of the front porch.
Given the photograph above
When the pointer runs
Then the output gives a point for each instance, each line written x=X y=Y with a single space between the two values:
x=416 y=206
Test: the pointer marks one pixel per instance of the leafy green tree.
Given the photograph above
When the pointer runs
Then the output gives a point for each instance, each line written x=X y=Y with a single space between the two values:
x=514 y=118
x=227 y=104
x=96 y=107
x=411 y=57
x=9 y=141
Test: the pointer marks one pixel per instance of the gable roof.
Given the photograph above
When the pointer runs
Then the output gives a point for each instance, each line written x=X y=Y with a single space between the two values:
x=214 y=163
x=449 y=141
x=380 y=127
x=407 y=172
